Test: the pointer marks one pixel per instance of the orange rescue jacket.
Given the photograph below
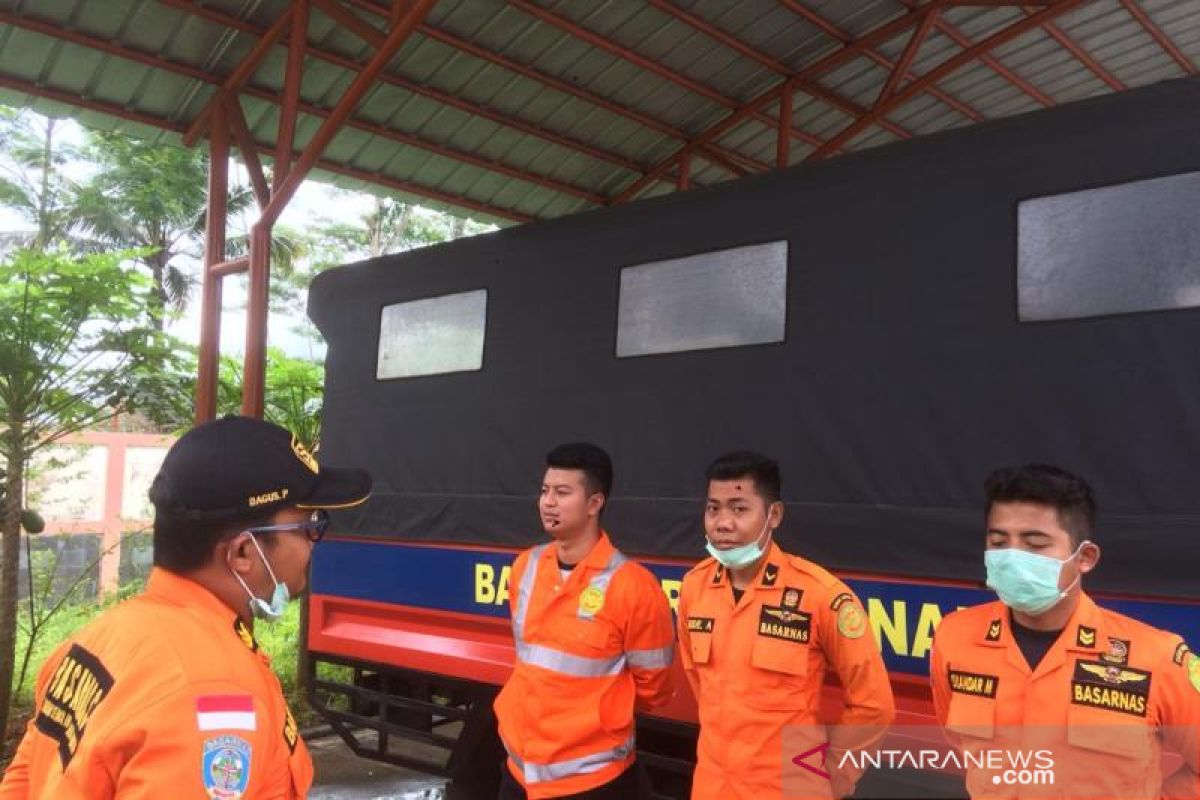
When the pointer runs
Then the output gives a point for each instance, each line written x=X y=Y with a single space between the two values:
x=757 y=668
x=590 y=648
x=164 y=696
x=1104 y=699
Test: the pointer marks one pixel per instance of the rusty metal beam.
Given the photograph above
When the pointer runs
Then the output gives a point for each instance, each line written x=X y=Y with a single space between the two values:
x=722 y=157
x=120 y=112
x=1038 y=19
x=684 y=181
x=812 y=88
x=945 y=28
x=233 y=266
x=919 y=35
x=782 y=140
x=240 y=74
x=249 y=151
x=650 y=65
x=870 y=40
x=272 y=96
x=209 y=356
x=351 y=22
x=293 y=77
x=475 y=109
x=350 y=99
x=843 y=37
x=1082 y=55
x=254 y=360
x=1157 y=34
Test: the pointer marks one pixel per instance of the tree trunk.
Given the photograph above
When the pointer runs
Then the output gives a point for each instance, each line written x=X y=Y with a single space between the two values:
x=45 y=228
x=10 y=550
x=158 y=296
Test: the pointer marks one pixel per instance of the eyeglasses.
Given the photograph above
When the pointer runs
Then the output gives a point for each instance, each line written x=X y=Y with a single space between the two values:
x=314 y=527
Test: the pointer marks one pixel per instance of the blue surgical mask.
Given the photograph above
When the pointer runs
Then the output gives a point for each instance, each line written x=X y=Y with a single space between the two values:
x=259 y=608
x=745 y=555
x=1027 y=582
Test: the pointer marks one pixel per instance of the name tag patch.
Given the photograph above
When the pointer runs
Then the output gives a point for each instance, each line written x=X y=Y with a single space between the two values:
x=778 y=622
x=76 y=688
x=973 y=683
x=701 y=624
x=1111 y=687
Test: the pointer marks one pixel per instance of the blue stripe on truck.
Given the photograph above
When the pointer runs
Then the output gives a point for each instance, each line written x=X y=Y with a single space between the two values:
x=903 y=615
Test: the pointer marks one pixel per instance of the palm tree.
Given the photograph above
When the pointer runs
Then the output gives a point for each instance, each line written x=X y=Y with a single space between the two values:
x=153 y=197
x=33 y=183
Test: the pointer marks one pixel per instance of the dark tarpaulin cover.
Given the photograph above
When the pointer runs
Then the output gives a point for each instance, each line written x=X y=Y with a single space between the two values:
x=904 y=379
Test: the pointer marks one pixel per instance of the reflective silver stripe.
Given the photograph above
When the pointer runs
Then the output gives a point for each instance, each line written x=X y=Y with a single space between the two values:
x=531 y=568
x=578 y=666
x=540 y=773
x=651 y=659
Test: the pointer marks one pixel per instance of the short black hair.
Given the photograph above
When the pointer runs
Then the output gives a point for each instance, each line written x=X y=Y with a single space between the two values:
x=183 y=546
x=589 y=459
x=1068 y=494
x=747 y=464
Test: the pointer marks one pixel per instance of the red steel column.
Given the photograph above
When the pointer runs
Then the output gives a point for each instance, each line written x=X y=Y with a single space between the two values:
x=254 y=367
x=214 y=253
x=783 y=145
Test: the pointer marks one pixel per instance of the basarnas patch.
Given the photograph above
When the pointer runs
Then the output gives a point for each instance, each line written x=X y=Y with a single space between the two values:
x=226 y=767
x=1111 y=687
x=993 y=632
x=777 y=622
x=77 y=687
x=291 y=731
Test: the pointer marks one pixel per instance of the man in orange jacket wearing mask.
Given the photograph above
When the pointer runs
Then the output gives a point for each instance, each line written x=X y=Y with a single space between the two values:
x=167 y=694
x=758 y=631
x=1044 y=673
x=594 y=643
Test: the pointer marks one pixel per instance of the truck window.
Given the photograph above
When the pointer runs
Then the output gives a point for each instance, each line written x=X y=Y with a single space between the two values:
x=723 y=298
x=1111 y=250
x=432 y=336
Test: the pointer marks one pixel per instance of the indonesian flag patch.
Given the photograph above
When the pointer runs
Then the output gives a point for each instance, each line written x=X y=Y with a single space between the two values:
x=225 y=712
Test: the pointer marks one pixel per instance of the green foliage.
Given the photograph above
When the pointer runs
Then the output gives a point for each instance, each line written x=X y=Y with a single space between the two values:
x=293 y=396
x=76 y=346
x=75 y=340
x=33 y=181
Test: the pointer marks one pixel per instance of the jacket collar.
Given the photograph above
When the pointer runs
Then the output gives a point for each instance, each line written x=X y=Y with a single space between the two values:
x=177 y=590
x=765 y=577
x=1083 y=634
x=596 y=559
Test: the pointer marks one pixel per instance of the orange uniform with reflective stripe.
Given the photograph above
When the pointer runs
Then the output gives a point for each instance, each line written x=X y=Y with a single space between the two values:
x=590 y=648
x=758 y=666
x=1106 y=696
x=120 y=707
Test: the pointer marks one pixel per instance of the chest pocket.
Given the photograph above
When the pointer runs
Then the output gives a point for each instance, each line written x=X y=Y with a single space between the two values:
x=700 y=646
x=780 y=679
x=593 y=637
x=972 y=716
x=1101 y=731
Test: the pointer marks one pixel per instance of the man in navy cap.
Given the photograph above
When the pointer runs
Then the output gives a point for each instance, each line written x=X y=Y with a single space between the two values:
x=168 y=694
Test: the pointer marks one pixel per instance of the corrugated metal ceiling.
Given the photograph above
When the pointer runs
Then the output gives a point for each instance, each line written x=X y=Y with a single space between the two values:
x=530 y=109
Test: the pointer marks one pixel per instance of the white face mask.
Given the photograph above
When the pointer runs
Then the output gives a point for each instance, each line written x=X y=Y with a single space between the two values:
x=259 y=608
x=1027 y=582
x=743 y=555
